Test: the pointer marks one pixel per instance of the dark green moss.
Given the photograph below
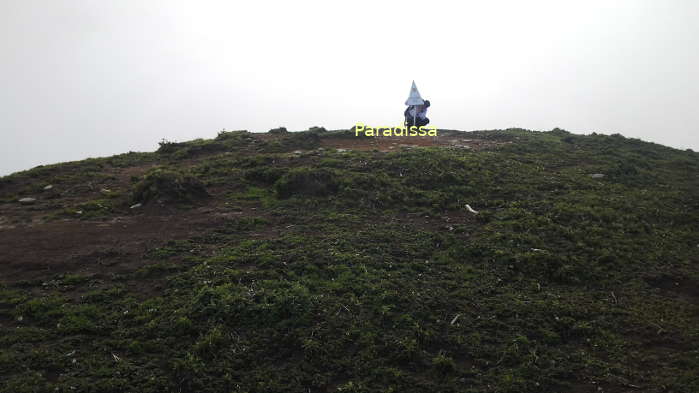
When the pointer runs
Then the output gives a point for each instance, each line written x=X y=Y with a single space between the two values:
x=169 y=186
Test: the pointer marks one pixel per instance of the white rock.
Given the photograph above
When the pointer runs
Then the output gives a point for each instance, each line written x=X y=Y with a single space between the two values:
x=50 y=186
x=597 y=175
x=135 y=206
x=27 y=201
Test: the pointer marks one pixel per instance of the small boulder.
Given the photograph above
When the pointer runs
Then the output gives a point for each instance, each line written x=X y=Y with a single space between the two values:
x=136 y=206
x=27 y=201
x=50 y=186
x=597 y=175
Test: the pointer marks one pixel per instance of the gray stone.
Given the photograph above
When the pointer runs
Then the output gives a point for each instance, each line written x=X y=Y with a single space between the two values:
x=136 y=206
x=27 y=201
x=50 y=186
x=597 y=175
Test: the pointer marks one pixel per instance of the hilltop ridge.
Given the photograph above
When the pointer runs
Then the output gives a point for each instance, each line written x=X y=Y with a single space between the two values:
x=485 y=261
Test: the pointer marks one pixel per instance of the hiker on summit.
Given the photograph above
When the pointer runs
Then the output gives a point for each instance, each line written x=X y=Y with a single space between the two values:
x=416 y=113
x=419 y=113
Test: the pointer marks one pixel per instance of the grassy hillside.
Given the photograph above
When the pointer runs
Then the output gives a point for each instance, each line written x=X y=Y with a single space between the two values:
x=278 y=263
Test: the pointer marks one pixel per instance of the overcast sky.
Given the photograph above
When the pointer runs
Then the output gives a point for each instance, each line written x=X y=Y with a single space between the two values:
x=94 y=78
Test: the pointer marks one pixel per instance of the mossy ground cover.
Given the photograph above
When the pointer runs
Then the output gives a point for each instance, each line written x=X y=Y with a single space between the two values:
x=364 y=272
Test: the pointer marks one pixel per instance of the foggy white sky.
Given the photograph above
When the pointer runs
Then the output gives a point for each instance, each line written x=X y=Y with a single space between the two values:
x=94 y=78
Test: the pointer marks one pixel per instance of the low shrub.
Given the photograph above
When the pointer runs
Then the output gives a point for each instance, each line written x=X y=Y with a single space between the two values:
x=305 y=140
x=307 y=181
x=168 y=186
x=264 y=175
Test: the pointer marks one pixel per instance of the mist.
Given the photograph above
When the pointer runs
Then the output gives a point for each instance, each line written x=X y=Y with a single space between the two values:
x=87 y=79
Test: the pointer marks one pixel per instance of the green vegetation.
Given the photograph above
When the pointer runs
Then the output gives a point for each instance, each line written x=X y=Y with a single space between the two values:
x=306 y=182
x=169 y=185
x=293 y=141
x=225 y=141
x=365 y=272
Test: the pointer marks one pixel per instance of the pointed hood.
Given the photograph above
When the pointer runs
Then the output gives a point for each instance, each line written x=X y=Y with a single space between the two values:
x=414 y=98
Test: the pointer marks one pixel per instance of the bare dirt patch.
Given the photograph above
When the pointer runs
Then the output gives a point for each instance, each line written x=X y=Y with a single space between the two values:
x=92 y=247
x=401 y=142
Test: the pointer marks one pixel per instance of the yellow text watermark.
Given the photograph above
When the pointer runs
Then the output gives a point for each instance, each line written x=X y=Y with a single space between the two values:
x=394 y=131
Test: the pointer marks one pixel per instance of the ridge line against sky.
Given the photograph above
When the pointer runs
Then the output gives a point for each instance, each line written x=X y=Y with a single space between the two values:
x=86 y=79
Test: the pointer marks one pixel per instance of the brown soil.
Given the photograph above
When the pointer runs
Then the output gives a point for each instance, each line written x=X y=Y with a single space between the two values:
x=93 y=248
x=398 y=143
